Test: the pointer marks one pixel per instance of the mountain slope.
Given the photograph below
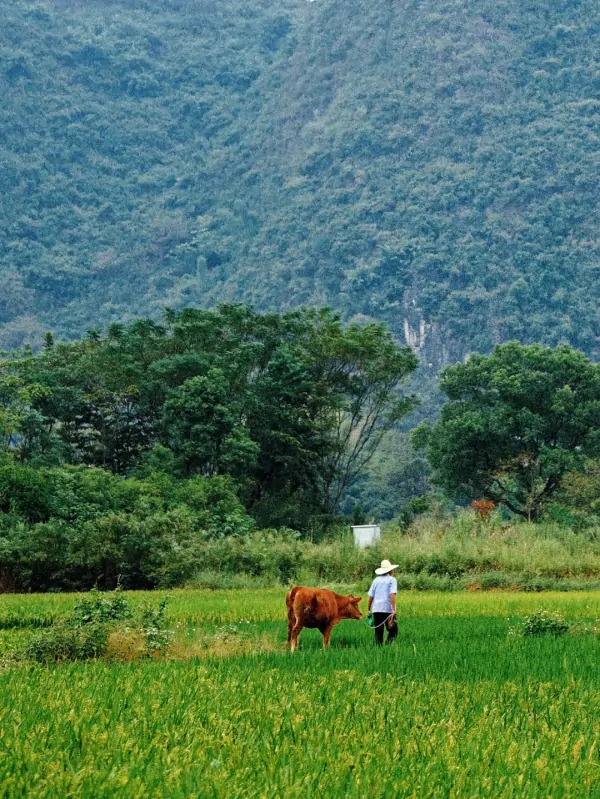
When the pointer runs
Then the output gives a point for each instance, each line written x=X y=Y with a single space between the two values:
x=433 y=164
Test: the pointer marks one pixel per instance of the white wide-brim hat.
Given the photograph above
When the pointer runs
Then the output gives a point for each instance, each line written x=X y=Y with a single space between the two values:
x=386 y=567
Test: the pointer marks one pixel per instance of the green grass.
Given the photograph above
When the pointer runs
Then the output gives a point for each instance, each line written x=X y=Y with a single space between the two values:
x=457 y=707
x=437 y=553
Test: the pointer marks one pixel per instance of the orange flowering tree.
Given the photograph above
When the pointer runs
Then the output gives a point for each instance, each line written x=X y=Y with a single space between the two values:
x=483 y=508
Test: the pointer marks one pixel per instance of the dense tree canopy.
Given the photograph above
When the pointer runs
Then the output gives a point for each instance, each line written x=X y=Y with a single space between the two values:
x=430 y=163
x=291 y=407
x=516 y=422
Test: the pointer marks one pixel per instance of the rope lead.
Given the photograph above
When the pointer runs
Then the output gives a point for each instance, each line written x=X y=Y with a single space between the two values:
x=376 y=626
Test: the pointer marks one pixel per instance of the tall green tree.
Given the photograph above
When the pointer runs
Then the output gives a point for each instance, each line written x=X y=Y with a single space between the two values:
x=364 y=367
x=203 y=429
x=21 y=425
x=516 y=422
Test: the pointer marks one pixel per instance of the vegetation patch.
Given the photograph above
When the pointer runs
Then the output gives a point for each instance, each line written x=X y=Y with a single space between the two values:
x=545 y=622
x=103 y=626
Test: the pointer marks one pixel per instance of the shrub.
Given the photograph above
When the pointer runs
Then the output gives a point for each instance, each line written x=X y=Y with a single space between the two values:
x=83 y=634
x=155 y=629
x=66 y=643
x=544 y=622
x=102 y=625
x=72 y=528
x=416 y=507
x=98 y=608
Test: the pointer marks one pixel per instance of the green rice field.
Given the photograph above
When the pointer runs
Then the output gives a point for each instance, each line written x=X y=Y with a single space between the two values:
x=457 y=707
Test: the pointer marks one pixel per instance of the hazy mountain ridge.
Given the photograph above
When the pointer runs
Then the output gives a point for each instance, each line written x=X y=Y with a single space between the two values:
x=433 y=164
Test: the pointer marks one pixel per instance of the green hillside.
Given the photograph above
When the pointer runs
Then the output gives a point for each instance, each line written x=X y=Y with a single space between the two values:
x=430 y=163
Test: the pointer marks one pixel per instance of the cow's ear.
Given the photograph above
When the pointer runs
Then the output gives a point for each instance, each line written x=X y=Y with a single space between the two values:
x=355 y=600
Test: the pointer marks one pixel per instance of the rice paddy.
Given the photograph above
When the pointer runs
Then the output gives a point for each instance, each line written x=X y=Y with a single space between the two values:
x=457 y=707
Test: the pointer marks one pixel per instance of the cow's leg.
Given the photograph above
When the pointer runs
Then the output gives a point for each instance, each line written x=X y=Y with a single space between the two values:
x=327 y=635
x=294 y=635
x=289 y=603
x=291 y=622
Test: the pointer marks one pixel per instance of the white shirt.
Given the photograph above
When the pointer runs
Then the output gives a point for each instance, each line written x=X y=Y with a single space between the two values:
x=380 y=591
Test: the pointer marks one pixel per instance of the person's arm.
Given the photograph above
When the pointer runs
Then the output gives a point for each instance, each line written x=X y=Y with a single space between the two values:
x=393 y=592
x=393 y=601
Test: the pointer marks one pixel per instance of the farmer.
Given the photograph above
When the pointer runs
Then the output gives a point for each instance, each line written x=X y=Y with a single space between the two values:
x=382 y=602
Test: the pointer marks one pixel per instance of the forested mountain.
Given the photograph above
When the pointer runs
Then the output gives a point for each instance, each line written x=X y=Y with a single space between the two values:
x=430 y=163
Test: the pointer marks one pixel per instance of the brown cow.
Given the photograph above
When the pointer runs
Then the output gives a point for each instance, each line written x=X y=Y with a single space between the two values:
x=320 y=608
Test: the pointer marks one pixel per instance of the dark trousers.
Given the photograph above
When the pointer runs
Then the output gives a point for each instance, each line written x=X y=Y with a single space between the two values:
x=380 y=625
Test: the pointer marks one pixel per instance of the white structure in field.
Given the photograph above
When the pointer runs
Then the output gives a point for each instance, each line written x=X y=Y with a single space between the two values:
x=365 y=535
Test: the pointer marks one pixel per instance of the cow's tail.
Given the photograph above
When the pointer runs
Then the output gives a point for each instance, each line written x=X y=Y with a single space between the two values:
x=289 y=600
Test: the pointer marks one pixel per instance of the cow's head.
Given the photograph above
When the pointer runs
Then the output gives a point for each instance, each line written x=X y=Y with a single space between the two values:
x=352 y=611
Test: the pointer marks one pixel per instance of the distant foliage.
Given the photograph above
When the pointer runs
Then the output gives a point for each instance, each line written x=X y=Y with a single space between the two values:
x=122 y=454
x=430 y=164
x=578 y=501
x=393 y=478
x=74 y=527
